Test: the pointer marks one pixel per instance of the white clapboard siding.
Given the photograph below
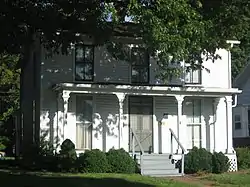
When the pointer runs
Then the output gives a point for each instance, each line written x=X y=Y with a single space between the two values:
x=166 y=105
x=107 y=107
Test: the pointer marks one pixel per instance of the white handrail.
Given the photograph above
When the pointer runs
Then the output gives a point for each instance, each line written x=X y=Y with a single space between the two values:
x=181 y=146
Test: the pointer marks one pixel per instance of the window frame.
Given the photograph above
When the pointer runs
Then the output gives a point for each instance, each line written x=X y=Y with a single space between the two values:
x=83 y=46
x=193 y=124
x=237 y=122
x=190 y=74
x=135 y=66
x=83 y=122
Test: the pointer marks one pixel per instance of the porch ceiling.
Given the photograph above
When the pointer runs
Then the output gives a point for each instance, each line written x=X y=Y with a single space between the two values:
x=145 y=90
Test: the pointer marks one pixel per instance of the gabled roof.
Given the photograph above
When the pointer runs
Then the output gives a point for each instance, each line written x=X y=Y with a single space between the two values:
x=242 y=77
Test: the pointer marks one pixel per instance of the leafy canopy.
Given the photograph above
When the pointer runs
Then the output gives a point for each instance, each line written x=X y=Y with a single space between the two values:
x=172 y=30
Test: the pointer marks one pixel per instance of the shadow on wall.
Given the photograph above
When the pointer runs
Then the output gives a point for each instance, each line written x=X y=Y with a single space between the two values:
x=105 y=125
x=30 y=180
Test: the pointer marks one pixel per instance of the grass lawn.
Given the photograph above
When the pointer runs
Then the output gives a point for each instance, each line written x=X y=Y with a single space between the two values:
x=39 y=179
x=223 y=180
x=230 y=179
x=31 y=179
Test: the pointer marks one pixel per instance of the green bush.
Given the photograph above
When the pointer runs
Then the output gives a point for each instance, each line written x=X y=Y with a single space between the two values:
x=198 y=160
x=67 y=156
x=220 y=163
x=243 y=157
x=93 y=161
x=120 y=161
x=3 y=142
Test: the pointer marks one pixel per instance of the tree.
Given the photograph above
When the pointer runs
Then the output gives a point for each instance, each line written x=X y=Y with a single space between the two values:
x=172 y=30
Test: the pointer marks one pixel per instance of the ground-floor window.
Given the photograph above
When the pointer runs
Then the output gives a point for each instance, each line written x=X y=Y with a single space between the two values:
x=84 y=111
x=192 y=110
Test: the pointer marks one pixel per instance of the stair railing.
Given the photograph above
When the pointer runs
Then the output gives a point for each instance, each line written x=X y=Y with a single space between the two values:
x=179 y=145
x=135 y=138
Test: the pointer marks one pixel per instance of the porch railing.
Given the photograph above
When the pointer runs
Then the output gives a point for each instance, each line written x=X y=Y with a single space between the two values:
x=179 y=145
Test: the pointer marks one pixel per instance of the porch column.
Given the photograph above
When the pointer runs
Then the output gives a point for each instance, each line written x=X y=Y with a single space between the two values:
x=121 y=98
x=213 y=140
x=229 y=126
x=180 y=136
x=65 y=96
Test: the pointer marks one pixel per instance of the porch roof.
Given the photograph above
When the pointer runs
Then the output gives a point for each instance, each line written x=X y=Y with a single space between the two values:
x=145 y=90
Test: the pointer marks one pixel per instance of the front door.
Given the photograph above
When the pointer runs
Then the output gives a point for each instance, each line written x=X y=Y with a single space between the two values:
x=140 y=119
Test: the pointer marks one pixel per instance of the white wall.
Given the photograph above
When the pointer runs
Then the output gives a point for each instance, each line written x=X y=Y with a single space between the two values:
x=60 y=68
x=216 y=74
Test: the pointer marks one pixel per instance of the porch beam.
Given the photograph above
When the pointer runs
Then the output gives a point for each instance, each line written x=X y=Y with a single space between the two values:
x=180 y=99
x=121 y=98
x=65 y=96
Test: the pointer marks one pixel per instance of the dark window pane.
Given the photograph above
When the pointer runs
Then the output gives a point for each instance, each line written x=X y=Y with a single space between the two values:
x=79 y=54
x=139 y=74
x=139 y=56
x=88 y=53
x=248 y=116
x=237 y=118
x=88 y=69
x=237 y=125
x=84 y=58
x=84 y=71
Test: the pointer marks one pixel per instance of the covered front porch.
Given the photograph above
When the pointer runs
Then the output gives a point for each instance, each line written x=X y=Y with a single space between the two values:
x=97 y=116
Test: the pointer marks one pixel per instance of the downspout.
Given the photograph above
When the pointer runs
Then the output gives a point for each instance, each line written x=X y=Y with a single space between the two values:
x=235 y=101
x=214 y=122
x=227 y=122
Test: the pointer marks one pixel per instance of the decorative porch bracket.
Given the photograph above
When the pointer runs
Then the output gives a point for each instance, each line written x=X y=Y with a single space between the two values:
x=180 y=99
x=65 y=96
x=121 y=98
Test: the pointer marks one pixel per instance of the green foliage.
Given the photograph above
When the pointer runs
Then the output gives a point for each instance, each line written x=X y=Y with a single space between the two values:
x=9 y=84
x=120 y=161
x=178 y=29
x=201 y=160
x=93 y=161
x=220 y=163
x=3 y=142
x=198 y=160
x=67 y=156
x=243 y=157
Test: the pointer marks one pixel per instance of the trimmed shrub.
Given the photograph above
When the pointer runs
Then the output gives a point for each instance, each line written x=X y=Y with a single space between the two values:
x=243 y=157
x=67 y=156
x=220 y=163
x=120 y=161
x=198 y=160
x=93 y=161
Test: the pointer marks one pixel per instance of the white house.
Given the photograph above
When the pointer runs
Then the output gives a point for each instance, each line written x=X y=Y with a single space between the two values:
x=241 y=113
x=99 y=102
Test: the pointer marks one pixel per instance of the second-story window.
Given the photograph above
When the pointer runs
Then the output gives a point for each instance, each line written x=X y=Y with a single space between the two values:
x=193 y=77
x=84 y=62
x=140 y=66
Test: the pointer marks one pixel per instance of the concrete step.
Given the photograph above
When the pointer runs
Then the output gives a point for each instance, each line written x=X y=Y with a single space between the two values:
x=163 y=172
x=158 y=165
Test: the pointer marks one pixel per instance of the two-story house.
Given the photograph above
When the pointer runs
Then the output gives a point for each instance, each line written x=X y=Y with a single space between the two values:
x=100 y=102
